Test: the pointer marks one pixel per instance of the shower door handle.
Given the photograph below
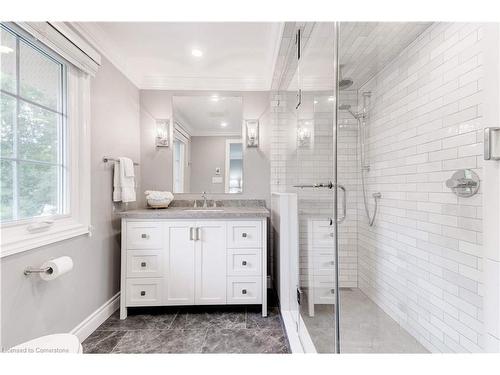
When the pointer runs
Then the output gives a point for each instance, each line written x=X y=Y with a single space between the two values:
x=344 y=204
x=328 y=185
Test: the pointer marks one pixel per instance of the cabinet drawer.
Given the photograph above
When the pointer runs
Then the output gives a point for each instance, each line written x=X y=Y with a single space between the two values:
x=244 y=262
x=324 y=264
x=244 y=234
x=144 y=235
x=144 y=263
x=322 y=233
x=144 y=292
x=244 y=290
x=324 y=295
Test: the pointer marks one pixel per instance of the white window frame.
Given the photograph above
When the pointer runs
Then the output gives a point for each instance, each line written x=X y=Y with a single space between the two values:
x=21 y=236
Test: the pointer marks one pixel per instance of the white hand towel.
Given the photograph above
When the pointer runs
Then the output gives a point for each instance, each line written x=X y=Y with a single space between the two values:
x=152 y=194
x=127 y=183
x=117 y=188
x=128 y=166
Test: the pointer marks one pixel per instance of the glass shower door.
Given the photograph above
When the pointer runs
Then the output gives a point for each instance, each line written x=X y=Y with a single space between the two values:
x=311 y=174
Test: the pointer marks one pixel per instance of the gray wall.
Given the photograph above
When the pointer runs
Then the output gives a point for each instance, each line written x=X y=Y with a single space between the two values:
x=157 y=162
x=31 y=307
x=207 y=153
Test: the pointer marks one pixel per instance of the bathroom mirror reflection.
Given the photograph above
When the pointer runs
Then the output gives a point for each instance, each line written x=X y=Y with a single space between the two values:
x=207 y=144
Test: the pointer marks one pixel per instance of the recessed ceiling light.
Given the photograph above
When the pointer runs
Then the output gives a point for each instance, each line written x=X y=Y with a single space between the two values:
x=315 y=102
x=331 y=99
x=5 y=49
x=223 y=124
x=196 y=52
x=214 y=98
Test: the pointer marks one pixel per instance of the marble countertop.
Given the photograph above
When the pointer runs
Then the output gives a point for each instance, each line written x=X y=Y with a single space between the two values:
x=196 y=213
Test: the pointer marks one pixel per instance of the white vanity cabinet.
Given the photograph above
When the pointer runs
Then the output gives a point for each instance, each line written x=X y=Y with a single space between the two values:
x=167 y=262
x=321 y=263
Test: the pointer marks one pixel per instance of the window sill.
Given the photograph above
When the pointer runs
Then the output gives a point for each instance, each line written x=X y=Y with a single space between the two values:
x=17 y=239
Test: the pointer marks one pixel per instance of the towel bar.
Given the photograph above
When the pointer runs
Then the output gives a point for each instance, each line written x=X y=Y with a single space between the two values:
x=108 y=159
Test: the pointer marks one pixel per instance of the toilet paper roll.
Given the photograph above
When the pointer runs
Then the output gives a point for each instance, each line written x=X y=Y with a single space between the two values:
x=58 y=267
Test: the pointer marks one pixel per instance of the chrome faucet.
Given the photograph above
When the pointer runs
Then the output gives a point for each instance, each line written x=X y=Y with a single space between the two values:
x=204 y=196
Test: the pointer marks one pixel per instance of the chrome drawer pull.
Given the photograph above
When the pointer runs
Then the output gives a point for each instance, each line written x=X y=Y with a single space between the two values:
x=244 y=291
x=143 y=292
x=144 y=235
x=143 y=264
x=332 y=291
x=244 y=263
x=244 y=235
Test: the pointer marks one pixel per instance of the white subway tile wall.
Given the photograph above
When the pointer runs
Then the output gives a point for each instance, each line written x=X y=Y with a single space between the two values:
x=421 y=262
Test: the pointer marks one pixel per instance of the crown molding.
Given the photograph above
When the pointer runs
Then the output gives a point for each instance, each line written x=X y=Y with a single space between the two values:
x=160 y=82
x=98 y=39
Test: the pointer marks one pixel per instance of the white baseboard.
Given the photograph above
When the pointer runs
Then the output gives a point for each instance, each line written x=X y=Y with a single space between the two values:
x=94 y=320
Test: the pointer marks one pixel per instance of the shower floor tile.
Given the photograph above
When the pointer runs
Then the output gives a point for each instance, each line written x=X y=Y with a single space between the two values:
x=364 y=327
x=203 y=329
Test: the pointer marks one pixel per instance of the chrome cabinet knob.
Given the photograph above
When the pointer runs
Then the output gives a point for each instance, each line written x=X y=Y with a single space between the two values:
x=143 y=292
x=144 y=235
x=143 y=264
x=244 y=263
x=244 y=291
x=244 y=235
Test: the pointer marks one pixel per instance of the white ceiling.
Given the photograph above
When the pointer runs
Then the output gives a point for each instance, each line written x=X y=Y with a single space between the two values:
x=202 y=116
x=157 y=55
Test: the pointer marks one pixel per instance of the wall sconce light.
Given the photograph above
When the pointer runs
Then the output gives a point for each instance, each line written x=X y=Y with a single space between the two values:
x=304 y=133
x=162 y=133
x=252 y=127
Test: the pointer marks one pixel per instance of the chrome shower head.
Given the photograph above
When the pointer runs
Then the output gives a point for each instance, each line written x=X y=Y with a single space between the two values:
x=345 y=83
x=347 y=107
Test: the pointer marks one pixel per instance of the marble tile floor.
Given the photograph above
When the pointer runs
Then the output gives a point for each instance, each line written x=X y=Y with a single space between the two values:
x=193 y=329
x=364 y=327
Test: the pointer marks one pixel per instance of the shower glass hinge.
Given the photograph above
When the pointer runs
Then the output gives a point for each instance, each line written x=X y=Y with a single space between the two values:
x=297 y=42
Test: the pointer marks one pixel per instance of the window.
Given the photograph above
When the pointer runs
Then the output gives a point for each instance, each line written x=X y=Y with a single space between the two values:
x=33 y=131
x=45 y=138
x=234 y=166
x=179 y=165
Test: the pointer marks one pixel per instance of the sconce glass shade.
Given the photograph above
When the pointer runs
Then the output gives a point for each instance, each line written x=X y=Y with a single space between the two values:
x=252 y=128
x=162 y=133
x=305 y=129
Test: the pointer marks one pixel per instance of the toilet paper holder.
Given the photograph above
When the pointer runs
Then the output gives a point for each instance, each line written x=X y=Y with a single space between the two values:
x=29 y=270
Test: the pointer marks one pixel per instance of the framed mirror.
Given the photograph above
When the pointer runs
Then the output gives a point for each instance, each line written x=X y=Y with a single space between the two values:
x=207 y=144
